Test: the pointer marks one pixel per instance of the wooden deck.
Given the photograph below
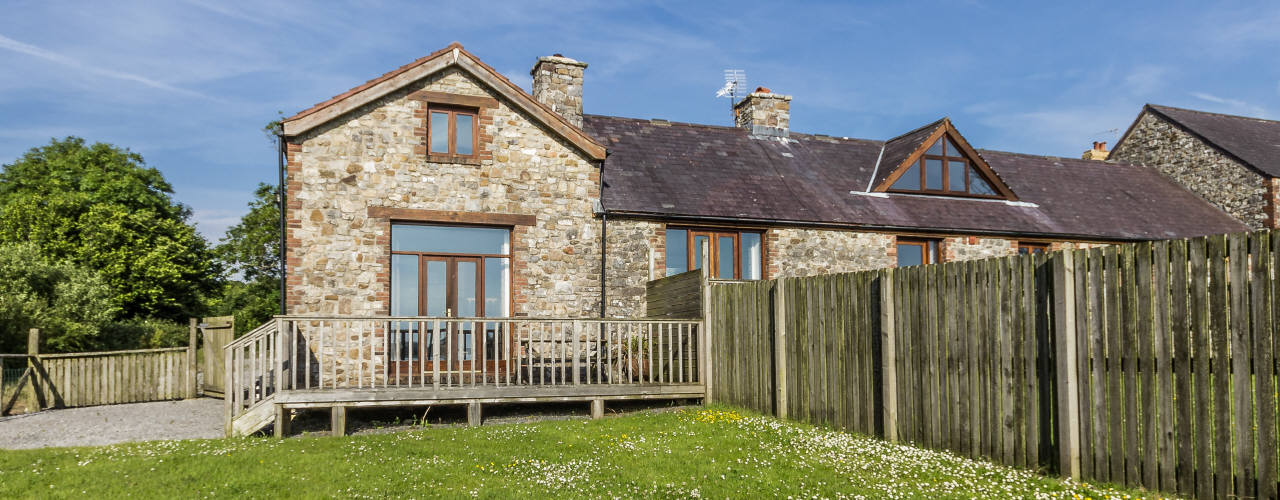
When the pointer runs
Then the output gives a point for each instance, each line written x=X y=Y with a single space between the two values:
x=308 y=362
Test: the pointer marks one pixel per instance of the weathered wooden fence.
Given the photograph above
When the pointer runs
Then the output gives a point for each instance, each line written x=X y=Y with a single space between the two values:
x=102 y=378
x=113 y=377
x=677 y=296
x=1175 y=364
x=1148 y=364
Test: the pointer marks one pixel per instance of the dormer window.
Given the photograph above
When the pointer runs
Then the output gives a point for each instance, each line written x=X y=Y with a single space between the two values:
x=936 y=160
x=944 y=169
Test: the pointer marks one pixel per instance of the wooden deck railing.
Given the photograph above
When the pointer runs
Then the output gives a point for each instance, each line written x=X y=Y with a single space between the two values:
x=299 y=353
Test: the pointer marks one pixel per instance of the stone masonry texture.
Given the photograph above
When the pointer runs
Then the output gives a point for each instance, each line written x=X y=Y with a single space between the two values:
x=557 y=82
x=805 y=252
x=764 y=113
x=1197 y=166
x=338 y=260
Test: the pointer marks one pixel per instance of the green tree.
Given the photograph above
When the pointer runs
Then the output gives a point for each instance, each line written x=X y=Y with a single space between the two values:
x=69 y=304
x=251 y=251
x=101 y=207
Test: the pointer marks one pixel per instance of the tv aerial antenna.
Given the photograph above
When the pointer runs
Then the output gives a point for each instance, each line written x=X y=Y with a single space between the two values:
x=735 y=88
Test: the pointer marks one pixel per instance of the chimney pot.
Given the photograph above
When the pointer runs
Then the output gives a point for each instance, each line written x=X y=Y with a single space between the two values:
x=1098 y=152
x=557 y=83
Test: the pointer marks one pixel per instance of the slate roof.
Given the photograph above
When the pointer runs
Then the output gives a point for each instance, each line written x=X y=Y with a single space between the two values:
x=1254 y=141
x=678 y=170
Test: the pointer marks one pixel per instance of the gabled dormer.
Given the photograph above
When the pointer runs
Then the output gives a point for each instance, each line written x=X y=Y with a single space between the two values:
x=936 y=160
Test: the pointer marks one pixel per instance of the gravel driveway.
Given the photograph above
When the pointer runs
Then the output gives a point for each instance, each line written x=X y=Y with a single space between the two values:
x=99 y=425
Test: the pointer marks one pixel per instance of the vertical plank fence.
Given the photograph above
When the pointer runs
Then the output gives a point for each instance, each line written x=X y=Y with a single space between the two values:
x=103 y=378
x=1150 y=364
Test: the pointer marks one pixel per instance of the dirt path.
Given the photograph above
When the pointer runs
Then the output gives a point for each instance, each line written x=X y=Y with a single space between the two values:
x=99 y=425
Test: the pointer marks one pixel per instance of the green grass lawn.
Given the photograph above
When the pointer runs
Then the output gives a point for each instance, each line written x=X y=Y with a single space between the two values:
x=713 y=453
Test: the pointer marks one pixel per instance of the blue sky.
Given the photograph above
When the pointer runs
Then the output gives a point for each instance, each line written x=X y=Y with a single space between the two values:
x=189 y=84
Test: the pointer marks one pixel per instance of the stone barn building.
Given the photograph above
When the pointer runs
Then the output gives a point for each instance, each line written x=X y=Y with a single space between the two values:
x=1229 y=161
x=454 y=239
x=443 y=189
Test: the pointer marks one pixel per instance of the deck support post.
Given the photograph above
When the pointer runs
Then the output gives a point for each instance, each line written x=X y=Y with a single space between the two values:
x=473 y=413
x=338 y=421
x=283 y=421
x=597 y=409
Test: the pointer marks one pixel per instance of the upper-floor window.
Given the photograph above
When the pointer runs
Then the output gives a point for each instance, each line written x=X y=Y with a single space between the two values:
x=452 y=131
x=944 y=169
x=735 y=255
x=917 y=251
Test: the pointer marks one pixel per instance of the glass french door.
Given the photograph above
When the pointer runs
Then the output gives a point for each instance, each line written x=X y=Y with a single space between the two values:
x=724 y=253
x=428 y=279
x=455 y=287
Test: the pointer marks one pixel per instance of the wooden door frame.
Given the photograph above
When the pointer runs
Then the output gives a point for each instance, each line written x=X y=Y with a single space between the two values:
x=425 y=363
x=713 y=248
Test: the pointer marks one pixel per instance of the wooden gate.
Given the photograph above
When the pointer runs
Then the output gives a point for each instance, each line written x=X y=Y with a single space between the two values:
x=217 y=332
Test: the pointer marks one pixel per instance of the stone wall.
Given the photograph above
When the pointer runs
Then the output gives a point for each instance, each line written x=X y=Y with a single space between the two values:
x=806 y=252
x=972 y=248
x=372 y=157
x=634 y=256
x=1198 y=167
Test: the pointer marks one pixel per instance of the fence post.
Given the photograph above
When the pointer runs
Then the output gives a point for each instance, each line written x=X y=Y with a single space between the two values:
x=191 y=358
x=705 y=353
x=780 y=348
x=33 y=366
x=1064 y=320
x=888 y=365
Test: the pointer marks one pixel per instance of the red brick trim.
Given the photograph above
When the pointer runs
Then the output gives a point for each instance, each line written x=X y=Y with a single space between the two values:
x=293 y=222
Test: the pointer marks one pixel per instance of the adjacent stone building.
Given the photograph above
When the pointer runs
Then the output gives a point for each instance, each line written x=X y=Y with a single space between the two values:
x=443 y=189
x=1230 y=161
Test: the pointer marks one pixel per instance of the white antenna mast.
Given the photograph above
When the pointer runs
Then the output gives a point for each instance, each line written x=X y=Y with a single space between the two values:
x=735 y=88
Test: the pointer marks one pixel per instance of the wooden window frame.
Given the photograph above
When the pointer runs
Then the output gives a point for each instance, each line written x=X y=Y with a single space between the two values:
x=1032 y=247
x=713 y=234
x=947 y=156
x=924 y=244
x=453 y=112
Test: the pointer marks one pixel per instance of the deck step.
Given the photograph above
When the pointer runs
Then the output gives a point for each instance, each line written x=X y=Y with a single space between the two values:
x=254 y=419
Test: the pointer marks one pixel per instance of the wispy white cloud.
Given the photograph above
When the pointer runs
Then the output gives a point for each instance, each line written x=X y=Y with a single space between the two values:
x=1232 y=105
x=48 y=55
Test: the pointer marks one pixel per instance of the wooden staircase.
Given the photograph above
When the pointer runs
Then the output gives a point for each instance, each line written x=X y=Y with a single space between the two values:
x=253 y=366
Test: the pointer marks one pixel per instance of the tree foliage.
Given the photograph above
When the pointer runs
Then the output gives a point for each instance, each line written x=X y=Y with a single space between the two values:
x=102 y=208
x=251 y=250
x=252 y=247
x=69 y=304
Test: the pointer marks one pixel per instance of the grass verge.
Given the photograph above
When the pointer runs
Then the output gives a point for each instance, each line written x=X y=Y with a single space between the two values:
x=716 y=452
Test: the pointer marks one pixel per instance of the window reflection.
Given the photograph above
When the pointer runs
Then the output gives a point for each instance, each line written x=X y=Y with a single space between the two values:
x=449 y=239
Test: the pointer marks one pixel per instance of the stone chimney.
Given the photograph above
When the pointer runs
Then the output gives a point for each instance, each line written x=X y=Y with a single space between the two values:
x=557 y=82
x=1099 y=151
x=764 y=113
